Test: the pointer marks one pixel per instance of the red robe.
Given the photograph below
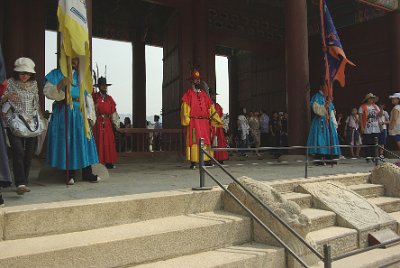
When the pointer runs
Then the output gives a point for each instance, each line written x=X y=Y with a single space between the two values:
x=102 y=130
x=196 y=111
x=218 y=132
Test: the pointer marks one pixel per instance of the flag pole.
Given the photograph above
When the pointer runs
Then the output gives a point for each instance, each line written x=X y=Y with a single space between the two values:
x=327 y=88
x=67 y=92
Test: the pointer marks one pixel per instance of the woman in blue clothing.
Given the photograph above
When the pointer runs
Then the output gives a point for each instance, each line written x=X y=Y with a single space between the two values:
x=82 y=151
x=322 y=131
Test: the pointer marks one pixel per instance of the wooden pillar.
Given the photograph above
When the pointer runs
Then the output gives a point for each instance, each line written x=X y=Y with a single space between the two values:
x=200 y=36
x=24 y=36
x=139 y=84
x=297 y=71
x=233 y=93
x=395 y=50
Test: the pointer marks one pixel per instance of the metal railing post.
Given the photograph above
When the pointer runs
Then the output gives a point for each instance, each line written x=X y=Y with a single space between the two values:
x=201 y=167
x=376 y=159
x=327 y=256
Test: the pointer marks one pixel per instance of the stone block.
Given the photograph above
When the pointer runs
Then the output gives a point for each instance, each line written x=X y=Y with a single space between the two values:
x=388 y=175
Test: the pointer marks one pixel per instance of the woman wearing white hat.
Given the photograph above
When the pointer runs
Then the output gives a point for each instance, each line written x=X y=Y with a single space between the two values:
x=394 y=125
x=22 y=94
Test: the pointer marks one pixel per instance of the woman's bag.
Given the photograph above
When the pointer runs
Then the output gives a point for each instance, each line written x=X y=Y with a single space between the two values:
x=22 y=125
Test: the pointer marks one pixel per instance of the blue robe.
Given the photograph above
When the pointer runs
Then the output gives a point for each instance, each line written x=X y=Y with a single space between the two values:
x=82 y=152
x=320 y=133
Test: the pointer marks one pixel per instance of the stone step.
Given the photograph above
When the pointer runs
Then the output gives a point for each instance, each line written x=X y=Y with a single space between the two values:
x=396 y=216
x=371 y=259
x=80 y=215
x=246 y=255
x=290 y=185
x=129 y=244
x=388 y=204
x=341 y=239
x=368 y=190
x=320 y=219
x=303 y=200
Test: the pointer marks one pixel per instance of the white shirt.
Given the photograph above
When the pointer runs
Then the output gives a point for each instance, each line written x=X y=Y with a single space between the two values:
x=372 y=119
x=384 y=118
x=396 y=127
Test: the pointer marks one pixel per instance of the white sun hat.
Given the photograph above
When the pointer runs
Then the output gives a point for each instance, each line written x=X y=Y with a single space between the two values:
x=24 y=65
x=395 y=96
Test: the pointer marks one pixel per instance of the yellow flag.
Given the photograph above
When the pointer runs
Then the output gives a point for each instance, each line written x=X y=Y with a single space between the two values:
x=73 y=26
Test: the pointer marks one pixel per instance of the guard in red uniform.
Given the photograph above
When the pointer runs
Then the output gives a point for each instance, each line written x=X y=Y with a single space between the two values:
x=106 y=118
x=197 y=116
x=217 y=133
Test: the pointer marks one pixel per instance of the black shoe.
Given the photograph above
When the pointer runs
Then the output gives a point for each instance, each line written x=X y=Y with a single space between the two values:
x=208 y=164
x=221 y=162
x=110 y=166
x=1 y=200
x=92 y=178
x=193 y=166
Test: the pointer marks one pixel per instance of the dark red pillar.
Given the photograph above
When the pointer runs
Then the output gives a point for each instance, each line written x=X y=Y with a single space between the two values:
x=233 y=93
x=396 y=52
x=139 y=84
x=297 y=71
x=24 y=35
x=200 y=37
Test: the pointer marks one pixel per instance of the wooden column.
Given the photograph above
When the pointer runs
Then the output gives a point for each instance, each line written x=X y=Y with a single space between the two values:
x=395 y=26
x=233 y=93
x=24 y=36
x=297 y=71
x=200 y=36
x=139 y=84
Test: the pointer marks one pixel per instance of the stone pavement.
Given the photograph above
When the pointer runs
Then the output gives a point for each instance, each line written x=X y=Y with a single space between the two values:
x=164 y=173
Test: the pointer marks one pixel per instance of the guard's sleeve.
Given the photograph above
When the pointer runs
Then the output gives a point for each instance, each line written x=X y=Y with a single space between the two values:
x=318 y=109
x=51 y=92
x=185 y=114
x=90 y=109
x=214 y=117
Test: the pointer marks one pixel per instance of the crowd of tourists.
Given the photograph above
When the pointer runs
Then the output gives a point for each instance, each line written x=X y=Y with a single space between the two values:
x=369 y=124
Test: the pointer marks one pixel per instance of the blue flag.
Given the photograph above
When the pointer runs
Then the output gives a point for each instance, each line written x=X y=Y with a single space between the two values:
x=335 y=59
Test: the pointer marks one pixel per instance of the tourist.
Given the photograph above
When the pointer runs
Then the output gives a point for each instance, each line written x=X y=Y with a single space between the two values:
x=5 y=176
x=157 y=135
x=107 y=120
x=217 y=133
x=383 y=122
x=394 y=124
x=275 y=133
x=284 y=131
x=352 y=133
x=323 y=129
x=23 y=97
x=264 y=129
x=254 y=124
x=243 y=131
x=369 y=123
x=82 y=151
x=197 y=116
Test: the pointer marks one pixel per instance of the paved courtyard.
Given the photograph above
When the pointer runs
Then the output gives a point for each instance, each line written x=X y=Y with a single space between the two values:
x=164 y=173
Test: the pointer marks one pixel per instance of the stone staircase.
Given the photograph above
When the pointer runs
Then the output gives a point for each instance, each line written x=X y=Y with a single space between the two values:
x=165 y=229
x=325 y=228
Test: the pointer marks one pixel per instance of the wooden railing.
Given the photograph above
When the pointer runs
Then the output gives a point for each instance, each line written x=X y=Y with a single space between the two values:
x=143 y=140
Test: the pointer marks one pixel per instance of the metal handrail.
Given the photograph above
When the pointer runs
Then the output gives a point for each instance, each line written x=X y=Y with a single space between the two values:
x=258 y=220
x=326 y=258
x=263 y=205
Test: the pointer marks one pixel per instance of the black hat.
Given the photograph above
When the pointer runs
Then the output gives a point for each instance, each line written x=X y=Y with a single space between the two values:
x=102 y=81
